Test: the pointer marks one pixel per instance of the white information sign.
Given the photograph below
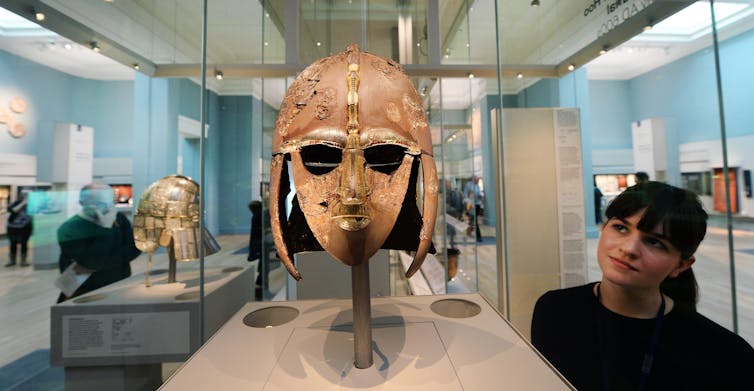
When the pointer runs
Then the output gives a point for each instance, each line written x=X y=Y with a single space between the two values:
x=126 y=334
x=572 y=233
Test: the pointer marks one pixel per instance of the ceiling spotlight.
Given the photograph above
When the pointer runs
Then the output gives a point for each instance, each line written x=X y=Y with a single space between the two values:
x=39 y=16
x=571 y=67
x=519 y=75
x=604 y=49
x=535 y=3
x=471 y=75
x=319 y=43
x=94 y=46
x=266 y=44
x=135 y=66
x=68 y=46
x=218 y=75
x=649 y=25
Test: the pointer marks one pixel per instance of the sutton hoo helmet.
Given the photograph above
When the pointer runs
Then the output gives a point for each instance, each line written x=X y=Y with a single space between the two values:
x=354 y=129
x=168 y=216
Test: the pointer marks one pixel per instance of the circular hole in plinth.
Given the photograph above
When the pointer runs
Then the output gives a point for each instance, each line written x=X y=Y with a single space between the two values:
x=188 y=296
x=270 y=317
x=158 y=272
x=231 y=269
x=89 y=298
x=455 y=308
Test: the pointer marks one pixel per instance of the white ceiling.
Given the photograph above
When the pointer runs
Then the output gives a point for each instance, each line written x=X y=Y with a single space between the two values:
x=166 y=32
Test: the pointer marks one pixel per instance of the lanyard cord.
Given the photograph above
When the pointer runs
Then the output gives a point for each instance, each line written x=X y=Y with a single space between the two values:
x=646 y=365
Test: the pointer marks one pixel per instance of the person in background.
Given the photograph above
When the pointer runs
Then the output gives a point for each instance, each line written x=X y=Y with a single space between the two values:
x=597 y=204
x=474 y=195
x=638 y=327
x=19 y=228
x=255 y=234
x=258 y=238
x=641 y=177
x=99 y=239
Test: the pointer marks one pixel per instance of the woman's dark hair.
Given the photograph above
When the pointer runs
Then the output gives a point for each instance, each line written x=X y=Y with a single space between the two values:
x=683 y=221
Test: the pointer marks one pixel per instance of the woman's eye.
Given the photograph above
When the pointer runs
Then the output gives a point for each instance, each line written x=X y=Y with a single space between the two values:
x=619 y=227
x=384 y=158
x=320 y=159
x=654 y=242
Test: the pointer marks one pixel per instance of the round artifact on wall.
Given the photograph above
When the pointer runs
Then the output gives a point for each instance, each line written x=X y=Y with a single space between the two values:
x=18 y=105
x=17 y=130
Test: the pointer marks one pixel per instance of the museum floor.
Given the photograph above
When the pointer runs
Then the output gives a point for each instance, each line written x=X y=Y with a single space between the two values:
x=27 y=294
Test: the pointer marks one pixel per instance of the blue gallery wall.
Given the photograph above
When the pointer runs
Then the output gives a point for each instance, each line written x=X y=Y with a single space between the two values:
x=139 y=119
x=54 y=96
x=235 y=162
x=544 y=93
x=684 y=91
x=46 y=93
x=242 y=119
x=107 y=106
x=610 y=114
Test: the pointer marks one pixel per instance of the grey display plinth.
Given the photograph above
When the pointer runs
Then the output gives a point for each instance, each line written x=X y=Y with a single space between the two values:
x=116 y=337
x=308 y=345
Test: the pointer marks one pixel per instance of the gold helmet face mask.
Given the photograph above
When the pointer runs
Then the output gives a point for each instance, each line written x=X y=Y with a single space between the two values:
x=355 y=131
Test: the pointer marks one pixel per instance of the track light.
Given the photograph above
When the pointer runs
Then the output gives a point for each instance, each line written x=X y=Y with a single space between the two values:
x=649 y=25
x=218 y=74
x=135 y=66
x=535 y=3
x=471 y=75
x=604 y=49
x=571 y=67
x=519 y=75
x=94 y=46
x=39 y=16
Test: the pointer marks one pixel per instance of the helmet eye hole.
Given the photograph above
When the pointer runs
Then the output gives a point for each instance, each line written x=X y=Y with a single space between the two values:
x=320 y=159
x=384 y=158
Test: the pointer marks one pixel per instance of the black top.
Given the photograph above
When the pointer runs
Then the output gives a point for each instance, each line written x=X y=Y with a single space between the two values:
x=693 y=353
x=19 y=222
x=107 y=251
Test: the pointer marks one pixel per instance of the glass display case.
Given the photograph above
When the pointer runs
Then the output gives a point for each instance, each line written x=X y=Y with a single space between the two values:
x=529 y=109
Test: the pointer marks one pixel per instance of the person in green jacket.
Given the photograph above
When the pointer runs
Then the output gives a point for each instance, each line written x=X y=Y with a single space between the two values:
x=99 y=239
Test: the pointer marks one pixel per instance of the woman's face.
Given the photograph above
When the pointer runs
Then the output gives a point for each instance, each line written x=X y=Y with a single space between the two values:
x=636 y=259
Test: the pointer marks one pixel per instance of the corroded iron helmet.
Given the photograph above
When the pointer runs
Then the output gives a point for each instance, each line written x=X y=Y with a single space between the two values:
x=354 y=129
x=168 y=216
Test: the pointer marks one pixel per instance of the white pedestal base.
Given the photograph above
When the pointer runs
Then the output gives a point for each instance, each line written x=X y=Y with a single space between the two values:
x=414 y=349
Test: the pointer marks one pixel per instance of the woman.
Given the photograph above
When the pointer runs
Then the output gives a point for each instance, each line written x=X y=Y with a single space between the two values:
x=638 y=327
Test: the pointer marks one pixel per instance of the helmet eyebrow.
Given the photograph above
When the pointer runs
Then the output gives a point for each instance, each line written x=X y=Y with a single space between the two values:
x=329 y=136
x=386 y=136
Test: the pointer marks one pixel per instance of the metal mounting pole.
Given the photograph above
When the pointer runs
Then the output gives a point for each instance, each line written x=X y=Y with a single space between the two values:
x=362 y=316
x=171 y=264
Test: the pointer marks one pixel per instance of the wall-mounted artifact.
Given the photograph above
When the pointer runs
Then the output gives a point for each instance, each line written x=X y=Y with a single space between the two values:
x=18 y=105
x=16 y=129
x=168 y=216
x=355 y=131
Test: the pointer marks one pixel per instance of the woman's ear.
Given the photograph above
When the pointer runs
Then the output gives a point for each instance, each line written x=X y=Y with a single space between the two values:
x=683 y=265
